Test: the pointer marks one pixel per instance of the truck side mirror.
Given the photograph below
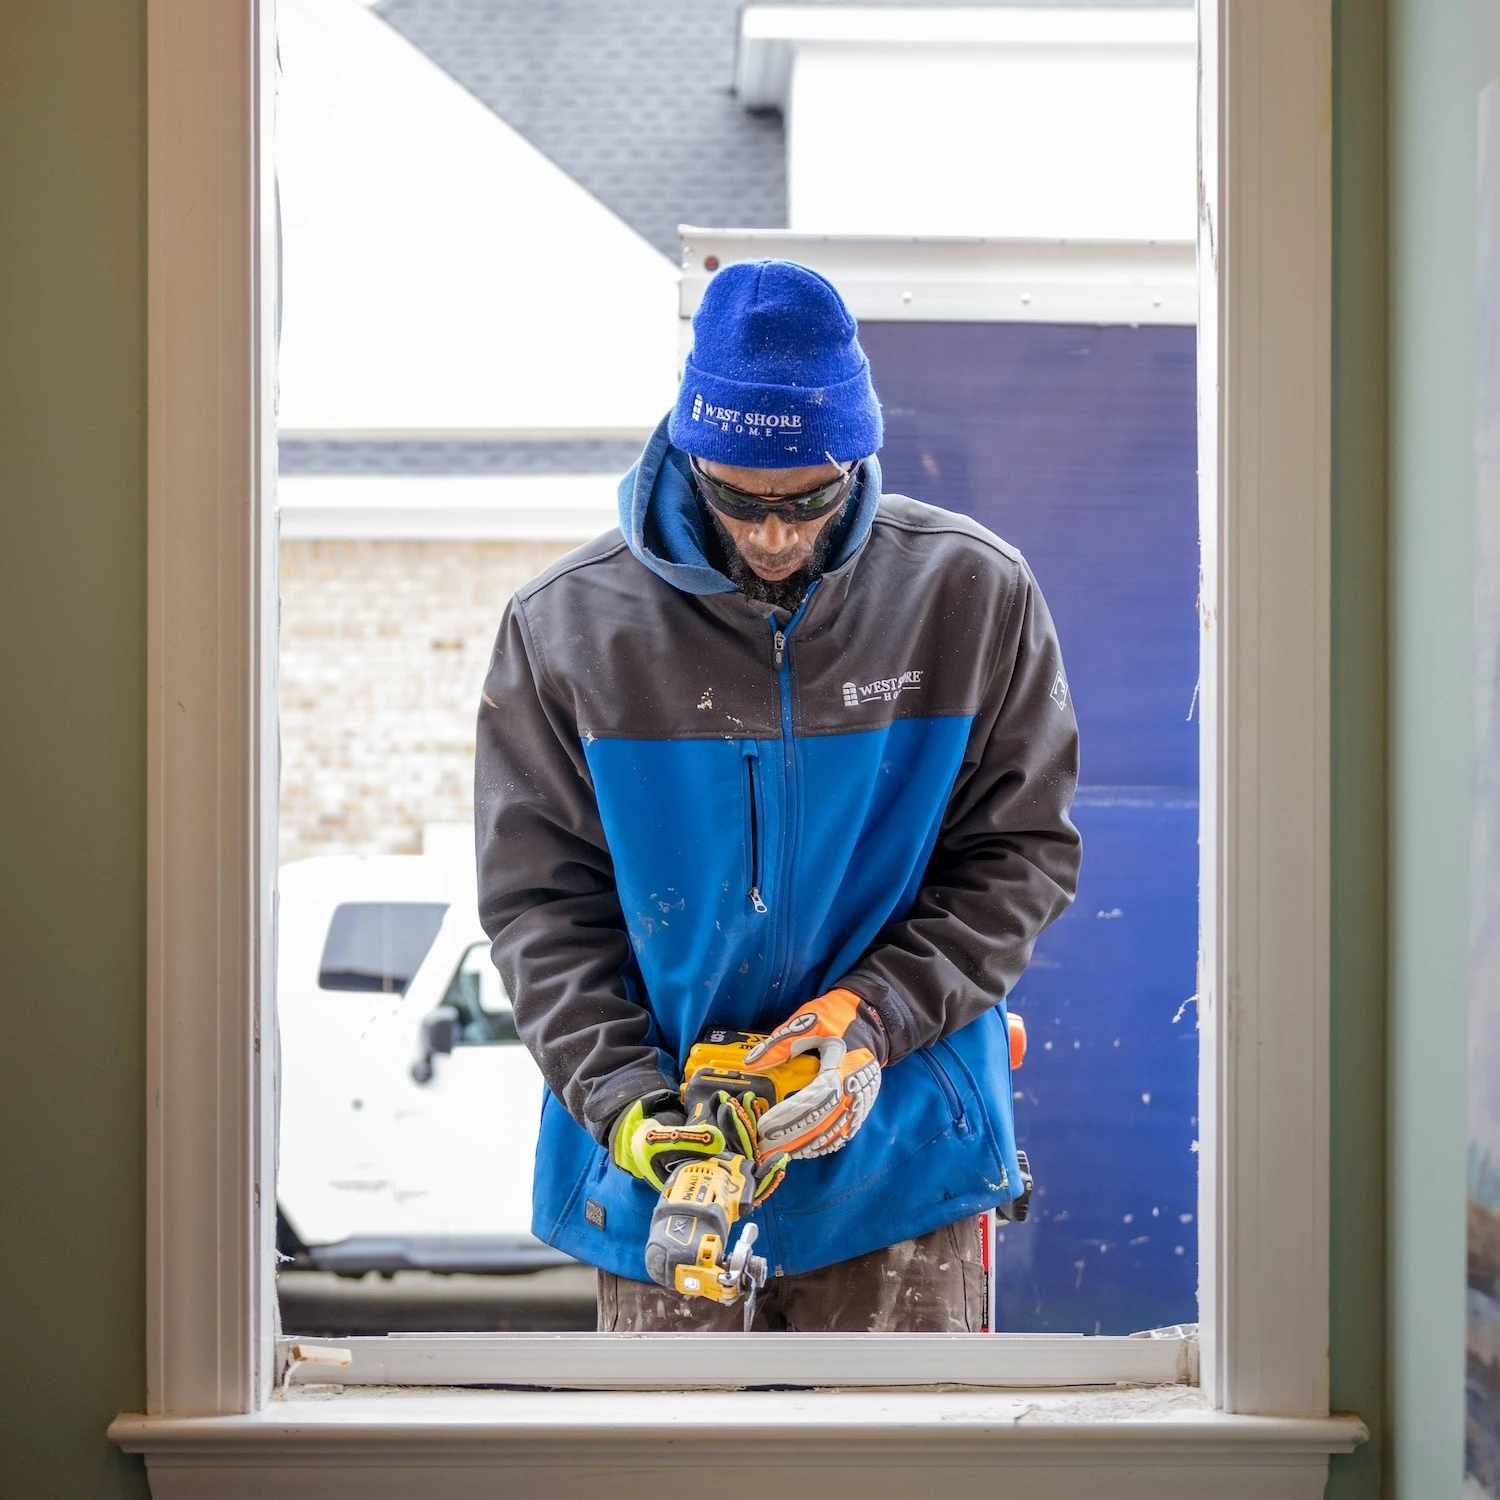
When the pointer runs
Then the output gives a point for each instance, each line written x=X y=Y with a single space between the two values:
x=438 y=1035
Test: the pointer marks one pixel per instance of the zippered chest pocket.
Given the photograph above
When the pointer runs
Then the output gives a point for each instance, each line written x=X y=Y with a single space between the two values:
x=754 y=827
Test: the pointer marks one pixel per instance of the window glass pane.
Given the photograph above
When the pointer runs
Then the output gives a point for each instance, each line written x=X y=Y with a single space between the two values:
x=492 y=997
x=478 y=996
x=378 y=945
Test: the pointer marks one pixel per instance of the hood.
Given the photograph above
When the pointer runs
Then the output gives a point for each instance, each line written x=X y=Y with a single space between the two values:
x=663 y=525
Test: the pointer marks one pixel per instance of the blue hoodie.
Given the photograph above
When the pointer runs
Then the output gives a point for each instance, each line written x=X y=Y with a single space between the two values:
x=662 y=519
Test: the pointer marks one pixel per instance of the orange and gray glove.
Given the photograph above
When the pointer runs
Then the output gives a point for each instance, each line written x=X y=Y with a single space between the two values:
x=850 y=1043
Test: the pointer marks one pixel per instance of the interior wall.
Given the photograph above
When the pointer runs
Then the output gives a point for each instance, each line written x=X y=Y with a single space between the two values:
x=1358 y=968
x=72 y=739
x=1442 y=52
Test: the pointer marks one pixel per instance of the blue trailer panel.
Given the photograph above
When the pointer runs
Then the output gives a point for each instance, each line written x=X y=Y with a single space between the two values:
x=1078 y=444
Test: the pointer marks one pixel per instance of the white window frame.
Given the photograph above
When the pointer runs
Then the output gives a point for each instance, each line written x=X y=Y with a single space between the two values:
x=1260 y=1424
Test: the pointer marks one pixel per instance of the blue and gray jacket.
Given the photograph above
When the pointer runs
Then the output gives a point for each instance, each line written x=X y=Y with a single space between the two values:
x=694 y=810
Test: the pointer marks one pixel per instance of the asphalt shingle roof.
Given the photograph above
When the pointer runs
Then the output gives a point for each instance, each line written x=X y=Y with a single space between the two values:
x=631 y=98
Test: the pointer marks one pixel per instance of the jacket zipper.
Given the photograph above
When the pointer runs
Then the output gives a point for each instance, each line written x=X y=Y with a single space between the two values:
x=781 y=661
x=752 y=802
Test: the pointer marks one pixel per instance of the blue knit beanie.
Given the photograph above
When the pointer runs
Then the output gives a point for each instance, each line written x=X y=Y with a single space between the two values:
x=776 y=379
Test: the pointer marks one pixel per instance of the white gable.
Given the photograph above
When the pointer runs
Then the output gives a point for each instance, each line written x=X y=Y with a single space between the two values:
x=441 y=274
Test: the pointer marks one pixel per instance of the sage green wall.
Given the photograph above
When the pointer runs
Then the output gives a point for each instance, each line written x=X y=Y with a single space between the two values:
x=72 y=731
x=1357 y=1030
x=1441 y=53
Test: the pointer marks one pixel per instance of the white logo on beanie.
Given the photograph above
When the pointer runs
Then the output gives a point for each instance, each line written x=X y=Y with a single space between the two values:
x=751 y=423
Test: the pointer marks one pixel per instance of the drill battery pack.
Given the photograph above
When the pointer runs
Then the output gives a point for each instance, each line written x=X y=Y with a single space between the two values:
x=717 y=1061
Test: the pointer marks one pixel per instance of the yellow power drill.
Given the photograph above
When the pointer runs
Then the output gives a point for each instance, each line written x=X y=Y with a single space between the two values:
x=688 y=1246
x=687 y=1249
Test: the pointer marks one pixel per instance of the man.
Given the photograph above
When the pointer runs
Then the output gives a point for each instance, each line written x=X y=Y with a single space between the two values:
x=788 y=756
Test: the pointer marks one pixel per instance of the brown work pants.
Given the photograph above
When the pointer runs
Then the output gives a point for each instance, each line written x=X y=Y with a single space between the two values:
x=932 y=1284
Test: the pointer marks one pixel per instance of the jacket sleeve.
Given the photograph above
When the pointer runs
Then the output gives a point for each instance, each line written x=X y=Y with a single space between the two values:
x=547 y=896
x=1007 y=855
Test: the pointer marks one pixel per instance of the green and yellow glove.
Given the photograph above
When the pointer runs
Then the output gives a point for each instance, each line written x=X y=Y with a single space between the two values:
x=650 y=1139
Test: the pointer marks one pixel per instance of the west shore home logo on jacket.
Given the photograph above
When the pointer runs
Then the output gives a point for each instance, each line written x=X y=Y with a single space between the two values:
x=884 y=689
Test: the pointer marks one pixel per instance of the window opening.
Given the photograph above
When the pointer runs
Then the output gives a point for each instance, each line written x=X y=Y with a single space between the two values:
x=436 y=458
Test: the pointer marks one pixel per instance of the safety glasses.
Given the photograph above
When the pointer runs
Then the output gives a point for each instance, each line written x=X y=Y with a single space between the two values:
x=810 y=505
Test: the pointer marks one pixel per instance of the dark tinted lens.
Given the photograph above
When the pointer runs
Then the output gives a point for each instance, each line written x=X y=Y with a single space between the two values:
x=741 y=506
x=819 y=499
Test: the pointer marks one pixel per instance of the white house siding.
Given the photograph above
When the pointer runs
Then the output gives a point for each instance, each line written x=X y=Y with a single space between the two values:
x=384 y=646
x=439 y=272
x=441 y=277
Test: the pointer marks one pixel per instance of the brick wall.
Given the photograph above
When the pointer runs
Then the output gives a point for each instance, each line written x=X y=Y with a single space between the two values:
x=384 y=647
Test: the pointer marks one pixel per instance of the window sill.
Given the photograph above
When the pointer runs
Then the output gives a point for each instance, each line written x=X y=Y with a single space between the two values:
x=1162 y=1442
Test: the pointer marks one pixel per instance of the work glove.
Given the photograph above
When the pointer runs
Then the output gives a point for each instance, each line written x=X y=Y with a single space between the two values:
x=850 y=1043
x=739 y=1117
x=651 y=1138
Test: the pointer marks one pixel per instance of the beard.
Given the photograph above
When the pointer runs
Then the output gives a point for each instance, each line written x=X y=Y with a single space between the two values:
x=783 y=593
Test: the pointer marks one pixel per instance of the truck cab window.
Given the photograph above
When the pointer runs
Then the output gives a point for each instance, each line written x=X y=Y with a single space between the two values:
x=377 y=946
x=478 y=996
